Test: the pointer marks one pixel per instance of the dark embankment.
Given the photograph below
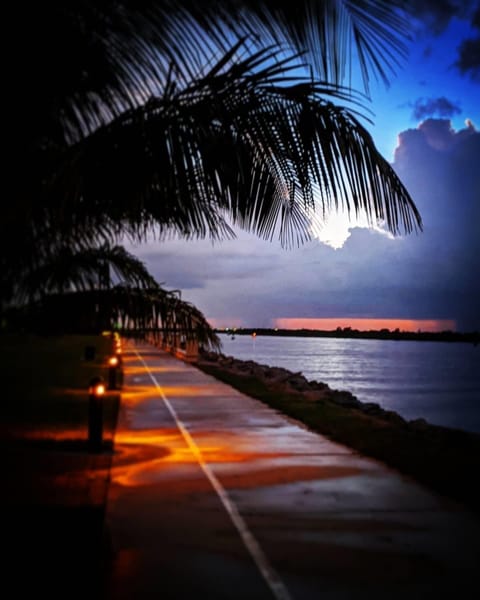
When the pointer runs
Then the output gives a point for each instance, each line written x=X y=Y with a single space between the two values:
x=446 y=460
x=54 y=487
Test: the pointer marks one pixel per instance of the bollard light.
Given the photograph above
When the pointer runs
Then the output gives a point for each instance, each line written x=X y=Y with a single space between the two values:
x=114 y=372
x=96 y=390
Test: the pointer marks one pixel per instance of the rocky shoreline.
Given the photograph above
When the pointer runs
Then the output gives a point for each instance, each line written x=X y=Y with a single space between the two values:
x=283 y=380
x=442 y=458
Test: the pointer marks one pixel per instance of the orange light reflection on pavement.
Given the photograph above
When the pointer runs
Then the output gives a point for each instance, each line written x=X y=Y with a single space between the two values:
x=57 y=435
x=143 y=371
x=129 y=358
x=68 y=392
x=141 y=464
x=143 y=454
x=135 y=395
x=178 y=451
x=149 y=456
x=75 y=435
x=148 y=437
x=192 y=390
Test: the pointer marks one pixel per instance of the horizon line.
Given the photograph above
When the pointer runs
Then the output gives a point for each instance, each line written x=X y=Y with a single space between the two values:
x=354 y=323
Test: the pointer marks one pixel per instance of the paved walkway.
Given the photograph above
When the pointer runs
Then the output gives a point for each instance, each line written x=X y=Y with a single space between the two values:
x=216 y=496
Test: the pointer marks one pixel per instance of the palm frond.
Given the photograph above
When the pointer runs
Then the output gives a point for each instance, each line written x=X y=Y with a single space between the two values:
x=235 y=143
x=336 y=35
x=160 y=313
x=69 y=269
x=100 y=288
x=118 y=53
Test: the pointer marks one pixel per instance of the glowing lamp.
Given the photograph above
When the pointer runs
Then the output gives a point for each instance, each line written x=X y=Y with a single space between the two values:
x=96 y=390
x=99 y=389
x=114 y=372
x=96 y=387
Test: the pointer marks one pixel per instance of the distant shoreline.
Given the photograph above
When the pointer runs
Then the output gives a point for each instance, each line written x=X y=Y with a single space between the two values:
x=382 y=334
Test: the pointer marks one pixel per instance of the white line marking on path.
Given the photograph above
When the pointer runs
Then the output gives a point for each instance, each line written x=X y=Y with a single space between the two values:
x=272 y=578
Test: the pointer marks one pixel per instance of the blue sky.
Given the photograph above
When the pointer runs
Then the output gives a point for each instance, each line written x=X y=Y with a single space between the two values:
x=427 y=76
x=427 y=124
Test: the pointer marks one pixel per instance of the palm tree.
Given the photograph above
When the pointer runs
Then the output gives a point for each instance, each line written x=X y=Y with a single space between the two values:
x=104 y=287
x=136 y=129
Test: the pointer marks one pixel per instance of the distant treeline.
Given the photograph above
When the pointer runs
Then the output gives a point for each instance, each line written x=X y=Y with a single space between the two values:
x=346 y=332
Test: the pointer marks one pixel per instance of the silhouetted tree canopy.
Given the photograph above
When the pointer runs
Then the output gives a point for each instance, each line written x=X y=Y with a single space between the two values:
x=183 y=118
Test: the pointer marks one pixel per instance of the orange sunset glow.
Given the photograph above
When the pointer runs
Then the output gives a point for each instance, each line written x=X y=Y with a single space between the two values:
x=365 y=324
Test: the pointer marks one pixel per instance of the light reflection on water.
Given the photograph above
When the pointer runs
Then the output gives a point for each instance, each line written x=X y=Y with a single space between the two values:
x=438 y=381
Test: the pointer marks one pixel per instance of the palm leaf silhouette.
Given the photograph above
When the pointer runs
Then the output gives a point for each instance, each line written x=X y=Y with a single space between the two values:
x=185 y=118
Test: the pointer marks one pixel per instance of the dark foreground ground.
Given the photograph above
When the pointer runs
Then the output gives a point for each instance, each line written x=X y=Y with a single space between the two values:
x=54 y=488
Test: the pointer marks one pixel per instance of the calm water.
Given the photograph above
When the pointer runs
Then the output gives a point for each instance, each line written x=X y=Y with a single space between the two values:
x=435 y=380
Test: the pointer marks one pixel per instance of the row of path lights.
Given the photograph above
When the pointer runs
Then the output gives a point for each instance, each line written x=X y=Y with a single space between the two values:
x=96 y=391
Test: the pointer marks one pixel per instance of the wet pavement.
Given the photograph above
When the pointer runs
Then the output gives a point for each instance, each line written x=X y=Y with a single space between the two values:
x=214 y=495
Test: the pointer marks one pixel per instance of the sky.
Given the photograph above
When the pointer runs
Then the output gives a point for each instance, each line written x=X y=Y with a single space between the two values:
x=427 y=125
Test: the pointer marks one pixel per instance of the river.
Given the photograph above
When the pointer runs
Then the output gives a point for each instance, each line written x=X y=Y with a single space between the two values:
x=437 y=381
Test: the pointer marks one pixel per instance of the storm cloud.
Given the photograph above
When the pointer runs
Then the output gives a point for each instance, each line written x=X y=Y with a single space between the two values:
x=429 y=107
x=435 y=16
x=468 y=61
x=429 y=275
x=469 y=50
